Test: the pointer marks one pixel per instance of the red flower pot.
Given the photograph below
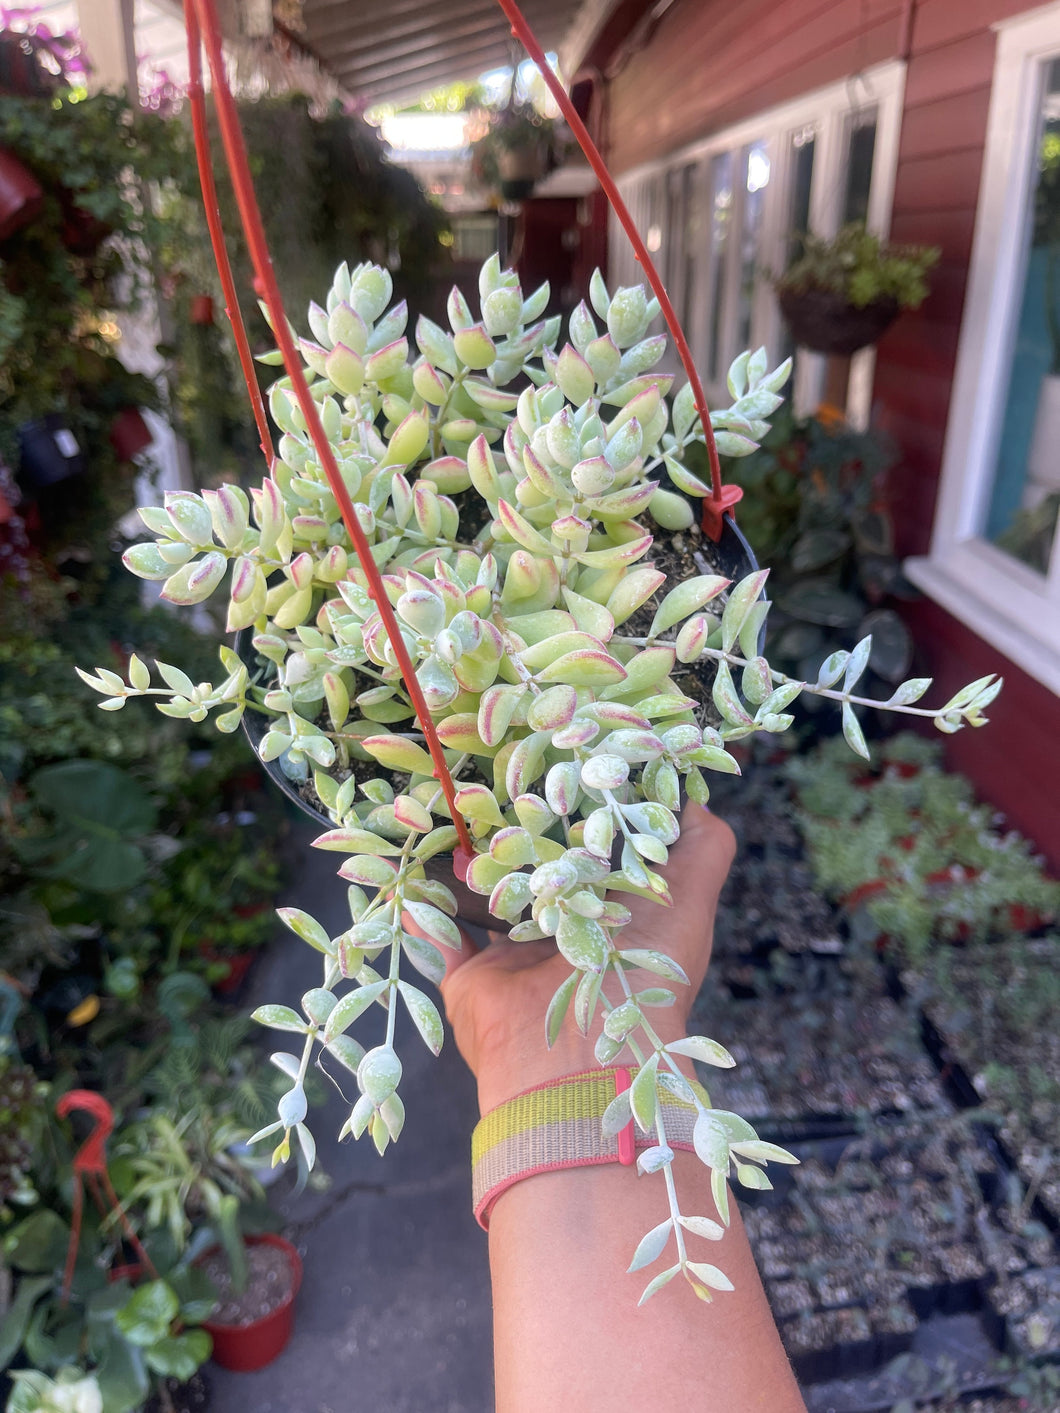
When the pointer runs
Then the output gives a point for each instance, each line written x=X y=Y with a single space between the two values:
x=129 y=433
x=238 y=964
x=244 y=1348
x=20 y=195
x=201 y=311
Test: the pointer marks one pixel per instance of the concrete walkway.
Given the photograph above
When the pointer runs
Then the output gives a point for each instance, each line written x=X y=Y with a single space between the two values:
x=394 y=1313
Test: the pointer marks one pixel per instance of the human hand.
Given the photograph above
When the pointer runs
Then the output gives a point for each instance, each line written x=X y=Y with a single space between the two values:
x=496 y=998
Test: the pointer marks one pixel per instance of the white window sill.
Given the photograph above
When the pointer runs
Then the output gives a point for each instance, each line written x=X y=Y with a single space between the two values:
x=1001 y=601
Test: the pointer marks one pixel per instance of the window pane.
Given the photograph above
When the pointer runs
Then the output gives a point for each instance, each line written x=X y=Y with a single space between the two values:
x=861 y=149
x=720 y=225
x=1021 y=517
x=687 y=274
x=756 y=180
x=803 y=147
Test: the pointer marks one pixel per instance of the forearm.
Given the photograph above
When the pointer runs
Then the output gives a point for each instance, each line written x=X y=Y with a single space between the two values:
x=567 y=1329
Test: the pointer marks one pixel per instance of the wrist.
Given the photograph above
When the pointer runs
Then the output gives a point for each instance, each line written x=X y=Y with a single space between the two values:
x=524 y=1061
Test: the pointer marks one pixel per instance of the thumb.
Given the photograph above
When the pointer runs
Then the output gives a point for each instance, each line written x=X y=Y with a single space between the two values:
x=452 y=958
x=700 y=860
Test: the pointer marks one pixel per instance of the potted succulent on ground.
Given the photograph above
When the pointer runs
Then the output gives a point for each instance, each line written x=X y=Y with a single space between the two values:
x=493 y=676
x=843 y=294
x=256 y=1279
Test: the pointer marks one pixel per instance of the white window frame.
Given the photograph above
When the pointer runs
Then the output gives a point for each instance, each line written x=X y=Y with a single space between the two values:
x=830 y=110
x=1005 y=602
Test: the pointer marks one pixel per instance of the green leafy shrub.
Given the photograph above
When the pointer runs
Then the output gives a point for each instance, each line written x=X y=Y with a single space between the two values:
x=863 y=269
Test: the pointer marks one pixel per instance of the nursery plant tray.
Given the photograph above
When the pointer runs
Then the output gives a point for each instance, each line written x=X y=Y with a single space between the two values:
x=901 y=1225
x=955 y=1341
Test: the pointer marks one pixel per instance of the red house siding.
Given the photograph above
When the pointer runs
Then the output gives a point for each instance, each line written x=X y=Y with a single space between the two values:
x=706 y=65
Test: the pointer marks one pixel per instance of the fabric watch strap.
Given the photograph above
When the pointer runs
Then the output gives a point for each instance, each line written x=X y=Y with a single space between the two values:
x=557 y=1125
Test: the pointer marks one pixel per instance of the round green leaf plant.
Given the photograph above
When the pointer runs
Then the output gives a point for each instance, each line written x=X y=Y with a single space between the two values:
x=504 y=485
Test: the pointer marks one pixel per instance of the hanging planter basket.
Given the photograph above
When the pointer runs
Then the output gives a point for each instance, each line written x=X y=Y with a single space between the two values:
x=81 y=232
x=520 y=170
x=129 y=434
x=21 y=195
x=825 y=322
x=201 y=309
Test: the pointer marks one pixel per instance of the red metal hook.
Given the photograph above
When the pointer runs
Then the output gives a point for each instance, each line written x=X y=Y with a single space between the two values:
x=90 y=1170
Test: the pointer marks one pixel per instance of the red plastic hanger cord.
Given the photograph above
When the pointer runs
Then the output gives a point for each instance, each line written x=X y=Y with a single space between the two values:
x=217 y=239
x=239 y=168
x=722 y=498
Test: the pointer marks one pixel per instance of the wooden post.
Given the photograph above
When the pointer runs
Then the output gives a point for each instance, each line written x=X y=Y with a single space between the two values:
x=108 y=31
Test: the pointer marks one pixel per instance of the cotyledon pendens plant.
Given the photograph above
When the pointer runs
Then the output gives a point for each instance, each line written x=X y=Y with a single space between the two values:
x=506 y=523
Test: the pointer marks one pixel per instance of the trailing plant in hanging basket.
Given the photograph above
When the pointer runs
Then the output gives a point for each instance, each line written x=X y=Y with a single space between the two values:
x=442 y=572
x=843 y=294
x=509 y=528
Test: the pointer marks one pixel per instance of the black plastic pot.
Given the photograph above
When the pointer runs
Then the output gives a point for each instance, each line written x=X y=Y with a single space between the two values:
x=825 y=322
x=731 y=556
x=48 y=453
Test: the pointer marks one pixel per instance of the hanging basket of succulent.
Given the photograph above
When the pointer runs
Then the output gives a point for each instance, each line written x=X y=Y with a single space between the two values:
x=844 y=294
x=459 y=649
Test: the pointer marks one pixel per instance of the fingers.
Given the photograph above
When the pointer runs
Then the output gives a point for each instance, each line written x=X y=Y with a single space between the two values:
x=452 y=958
x=699 y=862
x=696 y=870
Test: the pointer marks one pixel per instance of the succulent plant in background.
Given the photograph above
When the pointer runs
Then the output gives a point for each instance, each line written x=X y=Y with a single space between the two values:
x=505 y=489
x=842 y=294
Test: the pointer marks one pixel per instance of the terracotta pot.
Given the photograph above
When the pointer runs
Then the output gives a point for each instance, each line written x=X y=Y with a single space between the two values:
x=129 y=433
x=824 y=322
x=21 y=195
x=243 y=1348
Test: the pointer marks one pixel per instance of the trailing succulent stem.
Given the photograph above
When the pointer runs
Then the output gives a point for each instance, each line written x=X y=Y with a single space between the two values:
x=506 y=526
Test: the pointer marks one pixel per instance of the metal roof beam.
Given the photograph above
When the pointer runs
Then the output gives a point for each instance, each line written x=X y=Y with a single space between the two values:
x=413 y=81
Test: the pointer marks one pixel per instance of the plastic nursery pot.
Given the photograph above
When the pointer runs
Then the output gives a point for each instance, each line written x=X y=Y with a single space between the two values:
x=237 y=966
x=243 y=1348
x=823 y=321
x=731 y=556
x=48 y=453
x=20 y=195
x=129 y=433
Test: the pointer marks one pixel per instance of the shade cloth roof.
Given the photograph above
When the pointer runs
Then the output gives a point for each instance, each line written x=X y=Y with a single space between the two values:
x=393 y=51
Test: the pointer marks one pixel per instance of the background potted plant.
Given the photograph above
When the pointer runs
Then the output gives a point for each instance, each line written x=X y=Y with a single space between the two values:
x=257 y=1279
x=842 y=294
x=68 y=405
